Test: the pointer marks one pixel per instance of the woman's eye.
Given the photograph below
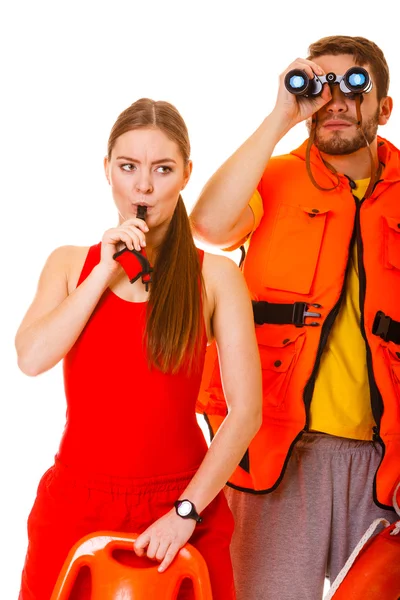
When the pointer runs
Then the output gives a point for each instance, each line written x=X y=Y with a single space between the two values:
x=164 y=169
x=128 y=167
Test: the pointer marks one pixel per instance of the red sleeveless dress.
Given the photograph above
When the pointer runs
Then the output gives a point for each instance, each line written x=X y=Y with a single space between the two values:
x=122 y=417
x=130 y=447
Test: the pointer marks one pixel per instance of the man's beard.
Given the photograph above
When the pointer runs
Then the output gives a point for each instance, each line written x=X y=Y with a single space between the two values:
x=336 y=145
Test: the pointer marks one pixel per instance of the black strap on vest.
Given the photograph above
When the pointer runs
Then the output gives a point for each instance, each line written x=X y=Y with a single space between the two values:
x=284 y=314
x=245 y=462
x=386 y=328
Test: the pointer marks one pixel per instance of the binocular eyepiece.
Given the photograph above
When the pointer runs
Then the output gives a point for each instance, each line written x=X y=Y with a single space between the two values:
x=355 y=81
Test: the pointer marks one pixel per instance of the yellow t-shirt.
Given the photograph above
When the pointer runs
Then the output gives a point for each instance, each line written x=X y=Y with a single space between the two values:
x=341 y=401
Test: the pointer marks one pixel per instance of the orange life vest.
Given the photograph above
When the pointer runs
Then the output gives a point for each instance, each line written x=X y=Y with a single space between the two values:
x=299 y=253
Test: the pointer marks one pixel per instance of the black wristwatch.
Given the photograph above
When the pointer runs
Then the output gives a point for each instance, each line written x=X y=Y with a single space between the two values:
x=187 y=510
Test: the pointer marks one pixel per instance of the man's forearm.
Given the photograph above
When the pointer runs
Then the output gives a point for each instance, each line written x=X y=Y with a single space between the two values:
x=224 y=198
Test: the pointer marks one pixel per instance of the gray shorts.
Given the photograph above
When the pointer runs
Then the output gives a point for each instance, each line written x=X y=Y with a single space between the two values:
x=286 y=542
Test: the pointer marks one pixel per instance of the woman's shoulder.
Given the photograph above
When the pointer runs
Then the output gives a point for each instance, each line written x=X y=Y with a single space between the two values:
x=66 y=256
x=217 y=264
x=68 y=260
x=220 y=271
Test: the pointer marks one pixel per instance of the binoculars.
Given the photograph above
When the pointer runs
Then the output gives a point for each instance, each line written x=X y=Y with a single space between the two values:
x=355 y=81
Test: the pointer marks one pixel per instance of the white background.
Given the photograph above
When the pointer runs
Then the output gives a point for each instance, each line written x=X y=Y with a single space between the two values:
x=67 y=70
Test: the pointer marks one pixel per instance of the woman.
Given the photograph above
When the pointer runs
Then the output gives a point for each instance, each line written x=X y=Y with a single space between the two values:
x=133 y=358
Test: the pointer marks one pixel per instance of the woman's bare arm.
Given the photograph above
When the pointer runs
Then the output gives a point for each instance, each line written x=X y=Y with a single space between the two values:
x=60 y=311
x=56 y=318
x=232 y=323
x=233 y=327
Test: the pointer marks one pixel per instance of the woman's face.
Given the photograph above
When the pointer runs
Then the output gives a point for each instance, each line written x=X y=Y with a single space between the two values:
x=147 y=169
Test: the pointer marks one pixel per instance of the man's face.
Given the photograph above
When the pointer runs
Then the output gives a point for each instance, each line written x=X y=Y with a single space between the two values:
x=337 y=131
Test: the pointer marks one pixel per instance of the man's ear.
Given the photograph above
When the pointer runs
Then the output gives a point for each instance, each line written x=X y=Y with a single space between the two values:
x=386 y=107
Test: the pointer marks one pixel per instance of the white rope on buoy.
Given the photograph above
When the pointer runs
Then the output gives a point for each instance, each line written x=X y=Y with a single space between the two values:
x=396 y=530
x=349 y=563
x=367 y=535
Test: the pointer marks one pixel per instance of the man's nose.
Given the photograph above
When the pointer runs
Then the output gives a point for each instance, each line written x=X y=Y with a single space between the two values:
x=337 y=104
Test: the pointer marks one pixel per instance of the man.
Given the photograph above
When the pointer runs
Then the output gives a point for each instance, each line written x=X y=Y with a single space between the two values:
x=323 y=269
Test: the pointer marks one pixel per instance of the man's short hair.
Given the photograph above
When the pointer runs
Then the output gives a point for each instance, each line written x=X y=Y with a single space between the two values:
x=362 y=50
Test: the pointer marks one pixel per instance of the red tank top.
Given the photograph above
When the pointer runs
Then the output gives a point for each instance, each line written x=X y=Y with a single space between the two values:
x=123 y=418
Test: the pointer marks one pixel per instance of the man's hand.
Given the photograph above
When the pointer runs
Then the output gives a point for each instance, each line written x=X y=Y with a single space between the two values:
x=292 y=109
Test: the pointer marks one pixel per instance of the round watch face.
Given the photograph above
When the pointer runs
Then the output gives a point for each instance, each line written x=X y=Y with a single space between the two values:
x=185 y=508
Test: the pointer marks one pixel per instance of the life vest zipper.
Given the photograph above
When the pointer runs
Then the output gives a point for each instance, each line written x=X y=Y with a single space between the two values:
x=375 y=395
x=376 y=398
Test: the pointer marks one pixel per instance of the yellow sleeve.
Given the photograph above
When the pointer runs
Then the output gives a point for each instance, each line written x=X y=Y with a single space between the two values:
x=256 y=206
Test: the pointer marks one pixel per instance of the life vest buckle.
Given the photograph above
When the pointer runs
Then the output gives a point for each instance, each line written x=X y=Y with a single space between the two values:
x=301 y=312
x=285 y=314
x=381 y=325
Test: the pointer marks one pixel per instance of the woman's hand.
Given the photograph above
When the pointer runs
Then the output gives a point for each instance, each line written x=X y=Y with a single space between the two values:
x=164 y=538
x=130 y=233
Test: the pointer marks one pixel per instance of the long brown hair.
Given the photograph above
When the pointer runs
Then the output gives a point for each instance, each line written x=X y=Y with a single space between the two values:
x=362 y=50
x=174 y=324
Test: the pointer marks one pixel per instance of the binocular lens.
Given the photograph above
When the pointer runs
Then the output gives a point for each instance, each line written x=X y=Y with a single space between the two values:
x=296 y=82
x=357 y=79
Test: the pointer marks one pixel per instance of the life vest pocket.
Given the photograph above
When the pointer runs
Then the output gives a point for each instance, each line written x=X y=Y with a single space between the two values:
x=392 y=242
x=279 y=348
x=294 y=248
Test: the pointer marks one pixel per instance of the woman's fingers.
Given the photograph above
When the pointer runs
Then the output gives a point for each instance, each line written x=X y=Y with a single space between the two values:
x=141 y=543
x=139 y=223
x=129 y=241
x=132 y=238
x=162 y=549
x=136 y=234
x=169 y=556
x=163 y=540
x=153 y=547
x=156 y=548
